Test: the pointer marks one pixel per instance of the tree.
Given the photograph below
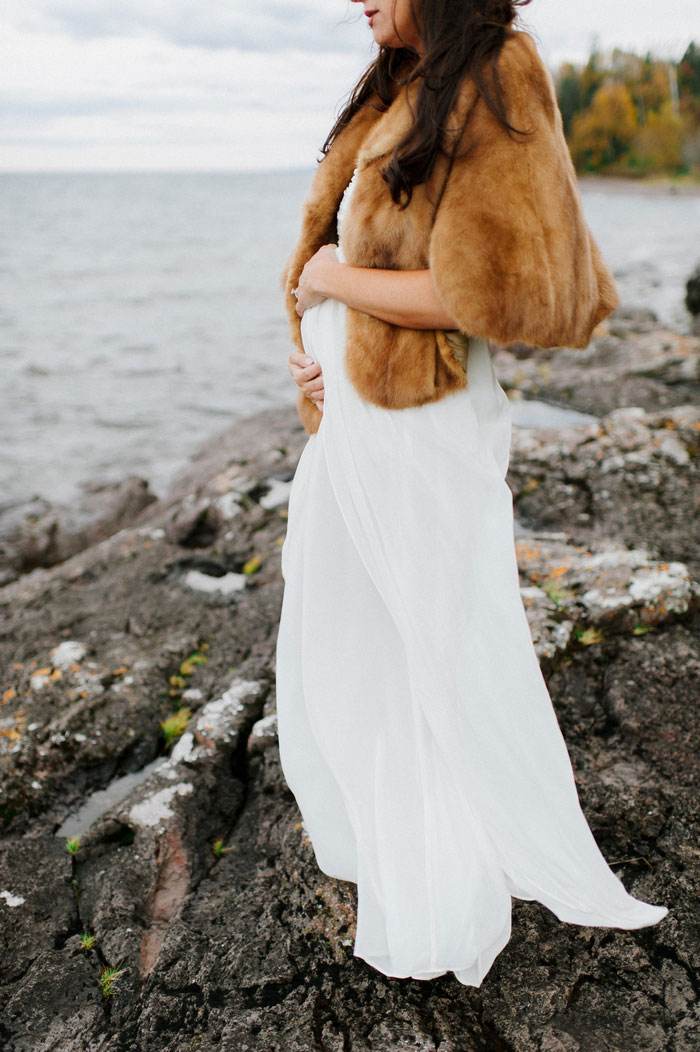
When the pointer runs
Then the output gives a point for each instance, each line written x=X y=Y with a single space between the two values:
x=689 y=86
x=689 y=70
x=659 y=145
x=604 y=133
x=569 y=95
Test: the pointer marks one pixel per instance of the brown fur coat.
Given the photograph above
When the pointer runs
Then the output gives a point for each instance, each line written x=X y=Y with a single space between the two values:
x=508 y=247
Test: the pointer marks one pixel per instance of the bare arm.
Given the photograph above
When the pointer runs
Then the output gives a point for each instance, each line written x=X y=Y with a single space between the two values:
x=402 y=297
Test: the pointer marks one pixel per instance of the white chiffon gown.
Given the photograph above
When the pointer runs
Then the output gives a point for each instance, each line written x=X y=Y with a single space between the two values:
x=415 y=728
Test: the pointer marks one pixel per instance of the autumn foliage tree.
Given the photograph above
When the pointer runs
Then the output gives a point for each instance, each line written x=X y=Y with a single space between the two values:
x=604 y=133
x=631 y=113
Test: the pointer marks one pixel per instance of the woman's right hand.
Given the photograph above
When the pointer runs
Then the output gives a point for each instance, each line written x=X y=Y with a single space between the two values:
x=307 y=375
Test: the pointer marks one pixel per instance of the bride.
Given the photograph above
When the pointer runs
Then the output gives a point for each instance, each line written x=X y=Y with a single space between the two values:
x=415 y=727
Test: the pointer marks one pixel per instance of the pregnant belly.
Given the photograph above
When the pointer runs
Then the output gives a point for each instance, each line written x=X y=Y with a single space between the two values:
x=319 y=326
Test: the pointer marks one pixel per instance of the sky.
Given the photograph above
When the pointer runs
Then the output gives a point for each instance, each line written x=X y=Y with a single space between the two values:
x=107 y=85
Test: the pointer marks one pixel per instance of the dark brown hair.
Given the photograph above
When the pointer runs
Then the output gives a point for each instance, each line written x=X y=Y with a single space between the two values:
x=459 y=37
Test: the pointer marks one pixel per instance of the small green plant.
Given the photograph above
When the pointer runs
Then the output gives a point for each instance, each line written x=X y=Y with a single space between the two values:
x=641 y=630
x=108 y=977
x=188 y=665
x=177 y=681
x=253 y=565
x=87 y=941
x=588 y=636
x=557 y=595
x=175 y=725
x=73 y=845
x=219 y=849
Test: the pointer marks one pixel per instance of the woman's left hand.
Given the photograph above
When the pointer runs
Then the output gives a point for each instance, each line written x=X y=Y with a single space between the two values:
x=311 y=280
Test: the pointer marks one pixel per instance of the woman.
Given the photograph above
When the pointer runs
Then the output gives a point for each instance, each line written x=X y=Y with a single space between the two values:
x=415 y=728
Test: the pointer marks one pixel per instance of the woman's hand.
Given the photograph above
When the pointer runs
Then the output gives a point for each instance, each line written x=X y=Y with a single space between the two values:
x=310 y=290
x=307 y=375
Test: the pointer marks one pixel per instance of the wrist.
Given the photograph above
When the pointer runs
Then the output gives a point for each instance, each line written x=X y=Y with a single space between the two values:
x=328 y=278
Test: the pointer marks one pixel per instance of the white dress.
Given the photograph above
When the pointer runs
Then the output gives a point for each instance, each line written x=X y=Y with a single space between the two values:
x=415 y=728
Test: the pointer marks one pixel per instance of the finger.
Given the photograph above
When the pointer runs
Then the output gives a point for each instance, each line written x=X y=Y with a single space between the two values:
x=307 y=368
x=308 y=371
x=312 y=385
x=301 y=358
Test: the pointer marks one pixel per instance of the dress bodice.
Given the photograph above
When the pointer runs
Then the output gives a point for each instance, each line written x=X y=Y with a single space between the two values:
x=342 y=210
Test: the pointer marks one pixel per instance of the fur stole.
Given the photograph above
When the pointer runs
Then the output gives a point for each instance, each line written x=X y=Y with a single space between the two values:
x=501 y=229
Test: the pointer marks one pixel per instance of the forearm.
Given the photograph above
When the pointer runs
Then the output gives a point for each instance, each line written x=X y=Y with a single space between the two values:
x=402 y=297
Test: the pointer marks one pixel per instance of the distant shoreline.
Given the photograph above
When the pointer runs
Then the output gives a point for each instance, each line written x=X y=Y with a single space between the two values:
x=650 y=186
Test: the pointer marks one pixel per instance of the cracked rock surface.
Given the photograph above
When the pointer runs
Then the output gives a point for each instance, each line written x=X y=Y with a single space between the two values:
x=633 y=476
x=137 y=728
x=631 y=361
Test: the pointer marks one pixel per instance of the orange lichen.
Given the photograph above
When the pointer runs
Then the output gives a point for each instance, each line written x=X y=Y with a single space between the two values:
x=11 y=732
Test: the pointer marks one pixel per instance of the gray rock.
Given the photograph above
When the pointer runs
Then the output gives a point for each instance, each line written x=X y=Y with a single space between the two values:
x=633 y=477
x=692 y=292
x=197 y=879
x=631 y=361
x=39 y=533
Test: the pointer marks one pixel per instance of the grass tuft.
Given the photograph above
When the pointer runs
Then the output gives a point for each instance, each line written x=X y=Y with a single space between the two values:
x=175 y=724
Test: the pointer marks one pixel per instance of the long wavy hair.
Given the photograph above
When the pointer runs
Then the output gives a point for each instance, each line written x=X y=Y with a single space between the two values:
x=459 y=37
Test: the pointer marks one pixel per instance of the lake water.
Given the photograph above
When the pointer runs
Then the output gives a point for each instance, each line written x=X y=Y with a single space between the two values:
x=141 y=312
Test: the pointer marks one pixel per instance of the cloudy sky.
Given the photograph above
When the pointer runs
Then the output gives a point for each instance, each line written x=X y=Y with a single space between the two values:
x=230 y=84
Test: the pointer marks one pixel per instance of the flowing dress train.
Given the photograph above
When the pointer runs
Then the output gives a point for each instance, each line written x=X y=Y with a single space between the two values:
x=416 y=730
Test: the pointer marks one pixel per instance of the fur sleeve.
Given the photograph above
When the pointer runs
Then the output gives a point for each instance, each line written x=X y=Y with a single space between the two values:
x=309 y=414
x=511 y=256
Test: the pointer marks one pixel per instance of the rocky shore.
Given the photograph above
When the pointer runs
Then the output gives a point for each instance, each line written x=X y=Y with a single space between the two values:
x=157 y=890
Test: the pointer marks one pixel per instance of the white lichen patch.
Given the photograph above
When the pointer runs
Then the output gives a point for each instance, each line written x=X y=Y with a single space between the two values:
x=668 y=587
x=155 y=809
x=228 y=505
x=598 y=601
x=10 y=899
x=535 y=597
x=88 y=680
x=192 y=694
x=68 y=653
x=613 y=587
x=215 y=721
x=671 y=446
x=277 y=494
x=614 y=557
x=226 y=585
x=562 y=634
x=266 y=727
x=155 y=533
x=549 y=635
x=184 y=749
